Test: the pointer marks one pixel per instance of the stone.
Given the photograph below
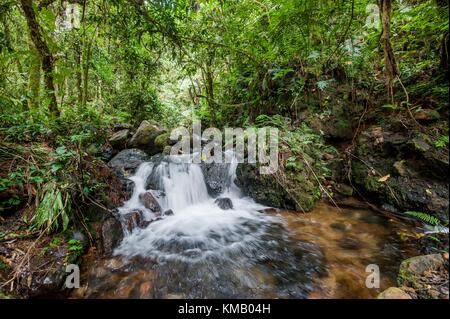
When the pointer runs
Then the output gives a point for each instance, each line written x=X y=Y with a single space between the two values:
x=411 y=269
x=168 y=212
x=216 y=176
x=144 y=138
x=224 y=203
x=112 y=234
x=163 y=140
x=426 y=115
x=127 y=161
x=149 y=201
x=119 y=139
x=393 y=293
x=133 y=220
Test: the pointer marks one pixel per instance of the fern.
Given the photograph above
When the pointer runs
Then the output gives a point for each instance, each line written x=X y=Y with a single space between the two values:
x=265 y=120
x=431 y=220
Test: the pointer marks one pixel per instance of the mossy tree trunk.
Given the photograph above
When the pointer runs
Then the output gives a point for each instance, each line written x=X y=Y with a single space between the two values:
x=34 y=77
x=42 y=48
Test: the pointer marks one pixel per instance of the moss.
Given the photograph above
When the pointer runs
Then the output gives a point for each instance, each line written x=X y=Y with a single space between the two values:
x=162 y=140
x=373 y=185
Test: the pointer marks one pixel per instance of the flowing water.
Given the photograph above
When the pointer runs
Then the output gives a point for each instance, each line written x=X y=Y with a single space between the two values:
x=249 y=251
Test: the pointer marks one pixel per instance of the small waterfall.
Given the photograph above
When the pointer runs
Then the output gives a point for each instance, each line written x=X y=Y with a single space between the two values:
x=198 y=229
x=183 y=185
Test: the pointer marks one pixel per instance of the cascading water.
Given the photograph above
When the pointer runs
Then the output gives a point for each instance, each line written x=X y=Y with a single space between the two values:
x=240 y=251
x=199 y=229
x=205 y=250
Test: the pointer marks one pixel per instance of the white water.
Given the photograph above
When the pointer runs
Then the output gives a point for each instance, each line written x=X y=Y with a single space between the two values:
x=199 y=229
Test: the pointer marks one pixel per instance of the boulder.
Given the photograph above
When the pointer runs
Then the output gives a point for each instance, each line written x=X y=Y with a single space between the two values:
x=411 y=269
x=112 y=234
x=164 y=140
x=265 y=190
x=393 y=293
x=216 y=176
x=149 y=201
x=127 y=161
x=224 y=203
x=416 y=171
x=144 y=138
x=119 y=139
x=125 y=165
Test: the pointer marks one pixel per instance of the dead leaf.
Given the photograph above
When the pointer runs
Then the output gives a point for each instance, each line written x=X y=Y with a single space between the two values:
x=384 y=178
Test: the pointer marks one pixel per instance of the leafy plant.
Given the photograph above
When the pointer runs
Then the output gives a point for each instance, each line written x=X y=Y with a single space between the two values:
x=441 y=142
x=54 y=208
x=431 y=220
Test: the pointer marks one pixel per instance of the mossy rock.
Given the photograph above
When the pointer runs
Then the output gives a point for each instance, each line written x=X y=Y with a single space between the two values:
x=162 y=140
x=411 y=269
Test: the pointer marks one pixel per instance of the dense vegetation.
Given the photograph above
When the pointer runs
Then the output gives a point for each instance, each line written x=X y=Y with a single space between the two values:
x=321 y=71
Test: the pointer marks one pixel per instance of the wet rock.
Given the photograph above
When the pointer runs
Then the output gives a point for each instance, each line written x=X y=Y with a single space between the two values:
x=426 y=115
x=168 y=212
x=149 y=201
x=265 y=190
x=119 y=139
x=216 y=176
x=112 y=234
x=350 y=243
x=145 y=135
x=127 y=161
x=416 y=183
x=125 y=164
x=133 y=220
x=224 y=203
x=393 y=293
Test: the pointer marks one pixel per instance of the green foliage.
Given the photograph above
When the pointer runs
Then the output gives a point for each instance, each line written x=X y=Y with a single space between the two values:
x=275 y=120
x=441 y=142
x=53 y=211
x=431 y=220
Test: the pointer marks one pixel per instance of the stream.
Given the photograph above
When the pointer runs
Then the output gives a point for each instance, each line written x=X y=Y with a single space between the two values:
x=247 y=251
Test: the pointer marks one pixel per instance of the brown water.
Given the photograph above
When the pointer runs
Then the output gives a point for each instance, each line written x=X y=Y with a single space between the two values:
x=321 y=254
x=351 y=239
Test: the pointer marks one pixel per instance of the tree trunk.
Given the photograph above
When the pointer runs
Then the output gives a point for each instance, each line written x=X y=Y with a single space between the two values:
x=390 y=66
x=34 y=77
x=87 y=59
x=44 y=52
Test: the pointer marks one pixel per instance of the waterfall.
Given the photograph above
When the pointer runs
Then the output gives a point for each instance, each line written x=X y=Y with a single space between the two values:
x=198 y=229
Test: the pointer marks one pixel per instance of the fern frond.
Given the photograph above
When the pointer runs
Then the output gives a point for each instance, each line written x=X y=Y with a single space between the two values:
x=431 y=220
